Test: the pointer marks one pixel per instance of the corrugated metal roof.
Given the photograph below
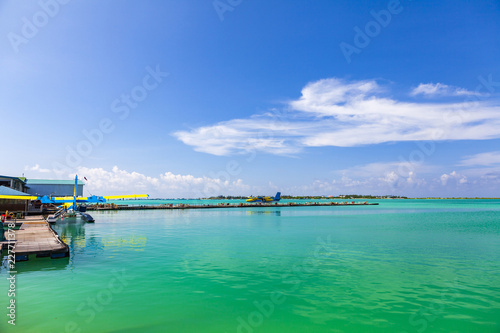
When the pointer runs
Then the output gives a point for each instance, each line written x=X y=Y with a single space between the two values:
x=8 y=191
x=52 y=182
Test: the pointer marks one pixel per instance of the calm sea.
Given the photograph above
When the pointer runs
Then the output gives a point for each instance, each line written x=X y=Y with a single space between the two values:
x=403 y=266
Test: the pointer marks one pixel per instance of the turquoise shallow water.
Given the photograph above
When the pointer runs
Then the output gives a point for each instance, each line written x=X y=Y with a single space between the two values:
x=402 y=266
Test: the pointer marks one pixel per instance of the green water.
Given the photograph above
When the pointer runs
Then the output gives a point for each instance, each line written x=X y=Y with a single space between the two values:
x=403 y=266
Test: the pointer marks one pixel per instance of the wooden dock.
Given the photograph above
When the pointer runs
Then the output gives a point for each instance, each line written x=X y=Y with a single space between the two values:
x=35 y=237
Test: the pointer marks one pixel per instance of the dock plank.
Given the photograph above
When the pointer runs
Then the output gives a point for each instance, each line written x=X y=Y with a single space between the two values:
x=36 y=237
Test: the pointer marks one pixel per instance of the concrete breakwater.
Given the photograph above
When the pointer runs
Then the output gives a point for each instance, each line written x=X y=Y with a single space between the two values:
x=112 y=206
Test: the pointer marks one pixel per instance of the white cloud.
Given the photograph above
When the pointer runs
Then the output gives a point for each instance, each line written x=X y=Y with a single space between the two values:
x=391 y=178
x=258 y=133
x=412 y=179
x=485 y=159
x=166 y=185
x=440 y=89
x=333 y=112
x=37 y=168
x=445 y=178
x=399 y=178
x=378 y=169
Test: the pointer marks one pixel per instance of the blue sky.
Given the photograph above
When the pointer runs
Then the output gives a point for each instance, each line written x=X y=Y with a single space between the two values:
x=201 y=97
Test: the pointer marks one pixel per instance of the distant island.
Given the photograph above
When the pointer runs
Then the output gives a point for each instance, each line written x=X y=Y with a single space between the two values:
x=340 y=197
x=313 y=197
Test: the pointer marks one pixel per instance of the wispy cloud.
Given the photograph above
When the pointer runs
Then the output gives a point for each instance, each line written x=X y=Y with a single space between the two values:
x=378 y=169
x=259 y=133
x=482 y=159
x=440 y=89
x=387 y=174
x=484 y=168
x=388 y=183
x=335 y=112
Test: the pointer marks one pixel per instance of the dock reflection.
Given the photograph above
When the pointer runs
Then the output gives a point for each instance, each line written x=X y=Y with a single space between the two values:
x=38 y=264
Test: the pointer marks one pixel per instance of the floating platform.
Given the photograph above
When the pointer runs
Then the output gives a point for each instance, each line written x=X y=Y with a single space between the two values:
x=227 y=205
x=35 y=237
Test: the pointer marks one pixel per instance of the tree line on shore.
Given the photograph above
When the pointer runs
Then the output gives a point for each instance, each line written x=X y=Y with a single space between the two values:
x=314 y=197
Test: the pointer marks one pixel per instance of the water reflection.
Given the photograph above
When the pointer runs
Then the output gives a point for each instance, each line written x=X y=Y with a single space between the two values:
x=264 y=212
x=134 y=242
x=79 y=242
x=38 y=264
x=84 y=241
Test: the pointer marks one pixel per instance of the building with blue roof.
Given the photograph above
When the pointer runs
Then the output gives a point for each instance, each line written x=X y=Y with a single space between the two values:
x=53 y=187
x=12 y=205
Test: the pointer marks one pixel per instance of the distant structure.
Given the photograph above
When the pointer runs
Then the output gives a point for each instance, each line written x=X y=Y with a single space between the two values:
x=12 y=186
x=39 y=187
x=53 y=187
x=15 y=183
x=11 y=205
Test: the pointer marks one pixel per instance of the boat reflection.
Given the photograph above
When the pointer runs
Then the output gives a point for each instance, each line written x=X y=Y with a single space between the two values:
x=264 y=212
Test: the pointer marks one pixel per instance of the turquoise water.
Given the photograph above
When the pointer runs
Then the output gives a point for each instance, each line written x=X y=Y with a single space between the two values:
x=140 y=202
x=403 y=266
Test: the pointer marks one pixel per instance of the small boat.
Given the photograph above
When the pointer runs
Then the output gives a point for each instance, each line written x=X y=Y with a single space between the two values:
x=87 y=217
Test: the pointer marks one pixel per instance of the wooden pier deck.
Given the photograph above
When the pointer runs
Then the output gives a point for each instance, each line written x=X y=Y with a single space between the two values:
x=36 y=237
